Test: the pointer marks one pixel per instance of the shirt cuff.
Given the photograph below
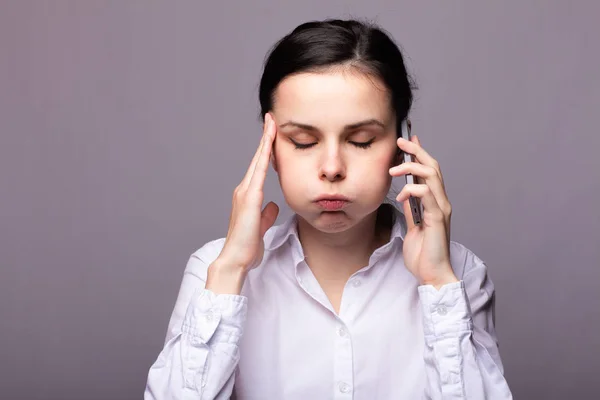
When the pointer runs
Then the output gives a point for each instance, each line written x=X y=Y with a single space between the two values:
x=219 y=317
x=446 y=311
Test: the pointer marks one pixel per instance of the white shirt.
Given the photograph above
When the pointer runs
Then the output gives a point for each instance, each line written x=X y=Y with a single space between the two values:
x=281 y=338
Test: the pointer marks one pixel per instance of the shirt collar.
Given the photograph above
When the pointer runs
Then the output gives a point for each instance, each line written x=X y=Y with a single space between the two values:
x=279 y=234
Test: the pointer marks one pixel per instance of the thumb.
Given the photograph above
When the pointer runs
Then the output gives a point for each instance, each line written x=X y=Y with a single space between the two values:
x=268 y=217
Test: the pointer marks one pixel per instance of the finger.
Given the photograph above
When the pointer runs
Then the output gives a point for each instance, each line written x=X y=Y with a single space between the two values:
x=427 y=199
x=421 y=156
x=248 y=176
x=428 y=176
x=268 y=217
x=415 y=139
x=262 y=164
x=410 y=222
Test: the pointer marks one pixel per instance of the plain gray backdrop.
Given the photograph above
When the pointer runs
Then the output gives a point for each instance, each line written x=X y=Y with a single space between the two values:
x=126 y=125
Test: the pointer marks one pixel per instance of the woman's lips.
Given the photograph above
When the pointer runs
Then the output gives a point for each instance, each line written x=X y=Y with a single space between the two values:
x=332 y=205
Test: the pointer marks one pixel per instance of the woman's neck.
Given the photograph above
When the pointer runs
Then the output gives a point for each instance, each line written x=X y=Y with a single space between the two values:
x=338 y=256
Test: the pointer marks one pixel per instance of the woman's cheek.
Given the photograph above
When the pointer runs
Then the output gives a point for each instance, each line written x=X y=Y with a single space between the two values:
x=293 y=170
x=381 y=164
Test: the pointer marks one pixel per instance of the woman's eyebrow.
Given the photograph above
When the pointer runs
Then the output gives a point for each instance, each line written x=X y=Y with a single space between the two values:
x=356 y=125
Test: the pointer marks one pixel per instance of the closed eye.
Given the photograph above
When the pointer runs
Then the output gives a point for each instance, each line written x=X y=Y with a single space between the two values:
x=362 y=145
x=302 y=146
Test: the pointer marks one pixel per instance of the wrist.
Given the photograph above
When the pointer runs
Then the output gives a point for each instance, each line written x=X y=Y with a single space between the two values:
x=440 y=281
x=225 y=278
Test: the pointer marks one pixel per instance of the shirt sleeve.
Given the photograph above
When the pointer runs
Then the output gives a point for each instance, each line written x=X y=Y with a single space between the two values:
x=461 y=348
x=200 y=353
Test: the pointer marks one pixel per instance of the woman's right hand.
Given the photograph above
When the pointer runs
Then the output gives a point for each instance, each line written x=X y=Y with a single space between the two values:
x=244 y=245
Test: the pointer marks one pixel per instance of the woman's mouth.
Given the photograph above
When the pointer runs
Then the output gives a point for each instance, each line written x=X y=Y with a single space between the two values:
x=332 y=205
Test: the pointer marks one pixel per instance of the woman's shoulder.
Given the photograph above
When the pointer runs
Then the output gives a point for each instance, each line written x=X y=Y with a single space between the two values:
x=273 y=237
x=206 y=254
x=200 y=259
x=210 y=249
x=464 y=261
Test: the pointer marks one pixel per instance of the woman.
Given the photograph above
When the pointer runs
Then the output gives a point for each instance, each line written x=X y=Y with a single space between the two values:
x=348 y=298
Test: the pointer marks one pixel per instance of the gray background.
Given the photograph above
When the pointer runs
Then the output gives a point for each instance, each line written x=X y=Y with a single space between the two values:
x=125 y=126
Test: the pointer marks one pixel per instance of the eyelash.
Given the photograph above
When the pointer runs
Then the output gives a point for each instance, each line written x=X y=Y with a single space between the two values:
x=360 y=145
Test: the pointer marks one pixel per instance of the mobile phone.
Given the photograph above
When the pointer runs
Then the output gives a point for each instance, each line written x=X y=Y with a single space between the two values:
x=415 y=202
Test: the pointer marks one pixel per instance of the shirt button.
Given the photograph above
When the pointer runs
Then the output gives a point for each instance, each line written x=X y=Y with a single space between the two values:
x=442 y=310
x=356 y=283
x=344 y=387
x=341 y=332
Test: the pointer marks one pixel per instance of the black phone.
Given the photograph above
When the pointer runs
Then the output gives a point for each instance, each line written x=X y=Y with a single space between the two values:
x=415 y=202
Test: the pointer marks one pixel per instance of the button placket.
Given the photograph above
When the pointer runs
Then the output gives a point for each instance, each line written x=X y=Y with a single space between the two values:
x=343 y=361
x=343 y=387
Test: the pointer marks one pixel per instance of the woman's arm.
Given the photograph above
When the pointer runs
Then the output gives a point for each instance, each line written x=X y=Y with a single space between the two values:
x=200 y=354
x=461 y=347
x=201 y=350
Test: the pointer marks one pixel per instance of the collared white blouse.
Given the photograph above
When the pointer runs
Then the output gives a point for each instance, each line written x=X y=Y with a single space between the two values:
x=281 y=338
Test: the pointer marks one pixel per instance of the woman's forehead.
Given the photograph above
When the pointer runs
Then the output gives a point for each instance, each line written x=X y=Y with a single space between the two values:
x=341 y=96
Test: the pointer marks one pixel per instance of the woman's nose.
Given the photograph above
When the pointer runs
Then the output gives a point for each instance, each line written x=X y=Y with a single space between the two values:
x=332 y=167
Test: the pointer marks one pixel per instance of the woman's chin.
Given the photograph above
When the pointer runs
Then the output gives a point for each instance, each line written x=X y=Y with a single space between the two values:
x=328 y=221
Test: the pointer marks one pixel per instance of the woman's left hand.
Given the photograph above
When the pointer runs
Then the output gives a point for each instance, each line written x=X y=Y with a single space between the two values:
x=426 y=246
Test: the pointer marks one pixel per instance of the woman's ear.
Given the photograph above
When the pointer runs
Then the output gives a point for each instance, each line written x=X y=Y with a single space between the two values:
x=272 y=158
x=273 y=161
x=399 y=156
x=399 y=159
